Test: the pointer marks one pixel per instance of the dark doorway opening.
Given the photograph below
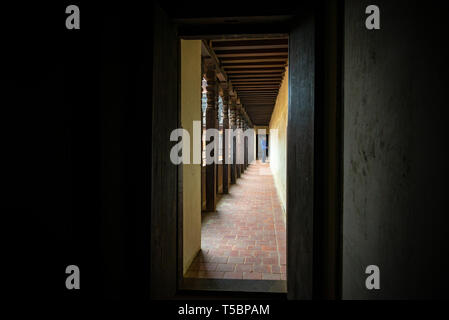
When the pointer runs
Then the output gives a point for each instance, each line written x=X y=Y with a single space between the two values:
x=239 y=239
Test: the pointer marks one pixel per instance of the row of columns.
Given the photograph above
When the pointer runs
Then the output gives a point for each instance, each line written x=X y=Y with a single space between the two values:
x=234 y=117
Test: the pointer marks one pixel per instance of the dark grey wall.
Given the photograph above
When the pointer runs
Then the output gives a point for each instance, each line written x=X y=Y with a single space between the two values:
x=395 y=115
x=300 y=158
x=164 y=174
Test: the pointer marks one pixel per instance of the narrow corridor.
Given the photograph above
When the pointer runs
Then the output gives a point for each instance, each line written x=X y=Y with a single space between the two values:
x=246 y=237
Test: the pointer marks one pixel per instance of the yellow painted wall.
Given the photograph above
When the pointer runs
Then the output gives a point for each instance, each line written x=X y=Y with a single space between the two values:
x=191 y=173
x=278 y=143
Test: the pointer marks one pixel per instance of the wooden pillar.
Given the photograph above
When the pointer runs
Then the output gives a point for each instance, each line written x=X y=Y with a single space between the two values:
x=239 y=146
x=211 y=122
x=242 y=125
x=226 y=167
x=246 y=144
x=217 y=164
x=233 y=126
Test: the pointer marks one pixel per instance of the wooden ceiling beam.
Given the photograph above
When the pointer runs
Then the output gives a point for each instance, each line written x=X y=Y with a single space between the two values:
x=249 y=94
x=233 y=54
x=261 y=103
x=253 y=90
x=253 y=37
x=255 y=104
x=248 y=52
x=249 y=42
x=258 y=107
x=251 y=47
x=277 y=80
x=239 y=83
x=277 y=85
x=255 y=69
x=254 y=65
x=274 y=58
x=268 y=97
x=258 y=99
x=250 y=68
x=256 y=93
x=257 y=90
x=263 y=84
x=255 y=98
x=252 y=108
x=258 y=71
x=271 y=103
x=246 y=98
x=211 y=58
x=261 y=100
x=264 y=93
x=255 y=75
x=259 y=114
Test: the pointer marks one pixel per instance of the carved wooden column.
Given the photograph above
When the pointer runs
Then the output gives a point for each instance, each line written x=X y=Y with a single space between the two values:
x=225 y=151
x=243 y=143
x=211 y=122
x=242 y=140
x=217 y=152
x=239 y=144
x=233 y=126
x=245 y=127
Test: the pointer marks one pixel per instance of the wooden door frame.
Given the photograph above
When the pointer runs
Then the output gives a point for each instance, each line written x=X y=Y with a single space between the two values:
x=304 y=216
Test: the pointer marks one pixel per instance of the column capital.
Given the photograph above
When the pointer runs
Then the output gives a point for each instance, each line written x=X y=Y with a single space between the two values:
x=224 y=85
x=210 y=73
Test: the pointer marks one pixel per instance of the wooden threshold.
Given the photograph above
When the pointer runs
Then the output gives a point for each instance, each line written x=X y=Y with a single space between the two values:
x=267 y=286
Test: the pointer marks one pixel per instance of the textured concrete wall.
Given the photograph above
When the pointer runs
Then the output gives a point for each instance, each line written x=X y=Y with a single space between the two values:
x=191 y=173
x=278 y=140
x=394 y=168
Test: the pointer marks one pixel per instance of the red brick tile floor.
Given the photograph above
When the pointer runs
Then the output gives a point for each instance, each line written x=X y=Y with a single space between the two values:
x=245 y=238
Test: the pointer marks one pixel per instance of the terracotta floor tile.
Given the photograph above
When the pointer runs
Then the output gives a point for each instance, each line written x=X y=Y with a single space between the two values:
x=275 y=269
x=233 y=275
x=236 y=260
x=252 y=276
x=264 y=268
x=253 y=260
x=271 y=276
x=269 y=261
x=246 y=237
x=244 y=267
x=226 y=267
x=220 y=259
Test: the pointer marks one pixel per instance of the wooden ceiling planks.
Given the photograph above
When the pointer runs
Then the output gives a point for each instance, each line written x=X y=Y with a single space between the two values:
x=255 y=67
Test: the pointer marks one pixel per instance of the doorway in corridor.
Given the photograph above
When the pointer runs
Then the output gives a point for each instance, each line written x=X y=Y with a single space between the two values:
x=259 y=150
x=235 y=236
x=312 y=251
